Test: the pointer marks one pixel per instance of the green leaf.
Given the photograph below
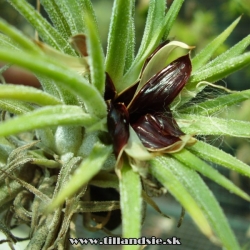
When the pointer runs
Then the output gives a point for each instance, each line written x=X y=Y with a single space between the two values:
x=234 y=51
x=203 y=57
x=96 y=55
x=6 y=42
x=222 y=66
x=74 y=12
x=197 y=164
x=130 y=55
x=164 y=27
x=83 y=174
x=203 y=125
x=45 y=30
x=156 y=14
x=160 y=169
x=69 y=79
x=131 y=204
x=45 y=117
x=58 y=17
x=118 y=39
x=20 y=39
x=171 y=16
x=217 y=104
x=15 y=107
x=28 y=94
x=217 y=156
x=202 y=196
x=220 y=71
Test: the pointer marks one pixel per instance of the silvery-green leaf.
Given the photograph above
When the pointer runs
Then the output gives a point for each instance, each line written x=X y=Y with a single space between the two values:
x=28 y=94
x=131 y=204
x=203 y=125
x=84 y=173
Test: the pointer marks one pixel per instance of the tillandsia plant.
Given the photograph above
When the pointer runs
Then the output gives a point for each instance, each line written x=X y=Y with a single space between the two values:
x=105 y=132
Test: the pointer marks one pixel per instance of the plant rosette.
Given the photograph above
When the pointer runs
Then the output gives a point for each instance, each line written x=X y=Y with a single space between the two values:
x=105 y=131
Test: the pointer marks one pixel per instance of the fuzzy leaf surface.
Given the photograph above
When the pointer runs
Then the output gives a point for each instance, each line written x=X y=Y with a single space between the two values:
x=218 y=156
x=202 y=197
x=131 y=204
x=45 y=117
x=28 y=94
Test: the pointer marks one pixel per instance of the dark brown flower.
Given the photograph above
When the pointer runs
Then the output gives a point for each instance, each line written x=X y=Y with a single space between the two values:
x=146 y=108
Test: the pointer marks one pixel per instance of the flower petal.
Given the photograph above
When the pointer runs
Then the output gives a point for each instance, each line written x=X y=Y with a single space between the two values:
x=162 y=88
x=158 y=60
x=157 y=131
x=118 y=125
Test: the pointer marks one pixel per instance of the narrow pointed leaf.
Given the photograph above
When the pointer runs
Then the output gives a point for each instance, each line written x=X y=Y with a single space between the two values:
x=117 y=39
x=131 y=204
x=208 y=51
x=200 y=166
x=211 y=106
x=17 y=36
x=218 y=156
x=46 y=117
x=57 y=16
x=28 y=94
x=156 y=13
x=221 y=70
x=58 y=72
x=167 y=177
x=130 y=54
x=83 y=174
x=74 y=12
x=203 y=125
x=205 y=200
x=213 y=74
x=45 y=30
x=234 y=51
x=171 y=16
x=96 y=55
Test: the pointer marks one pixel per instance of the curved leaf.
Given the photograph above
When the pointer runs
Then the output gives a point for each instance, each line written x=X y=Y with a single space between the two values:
x=96 y=55
x=28 y=94
x=117 y=39
x=58 y=72
x=15 y=107
x=16 y=36
x=211 y=106
x=83 y=174
x=202 y=197
x=45 y=30
x=45 y=117
x=218 y=156
x=202 y=167
x=162 y=172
